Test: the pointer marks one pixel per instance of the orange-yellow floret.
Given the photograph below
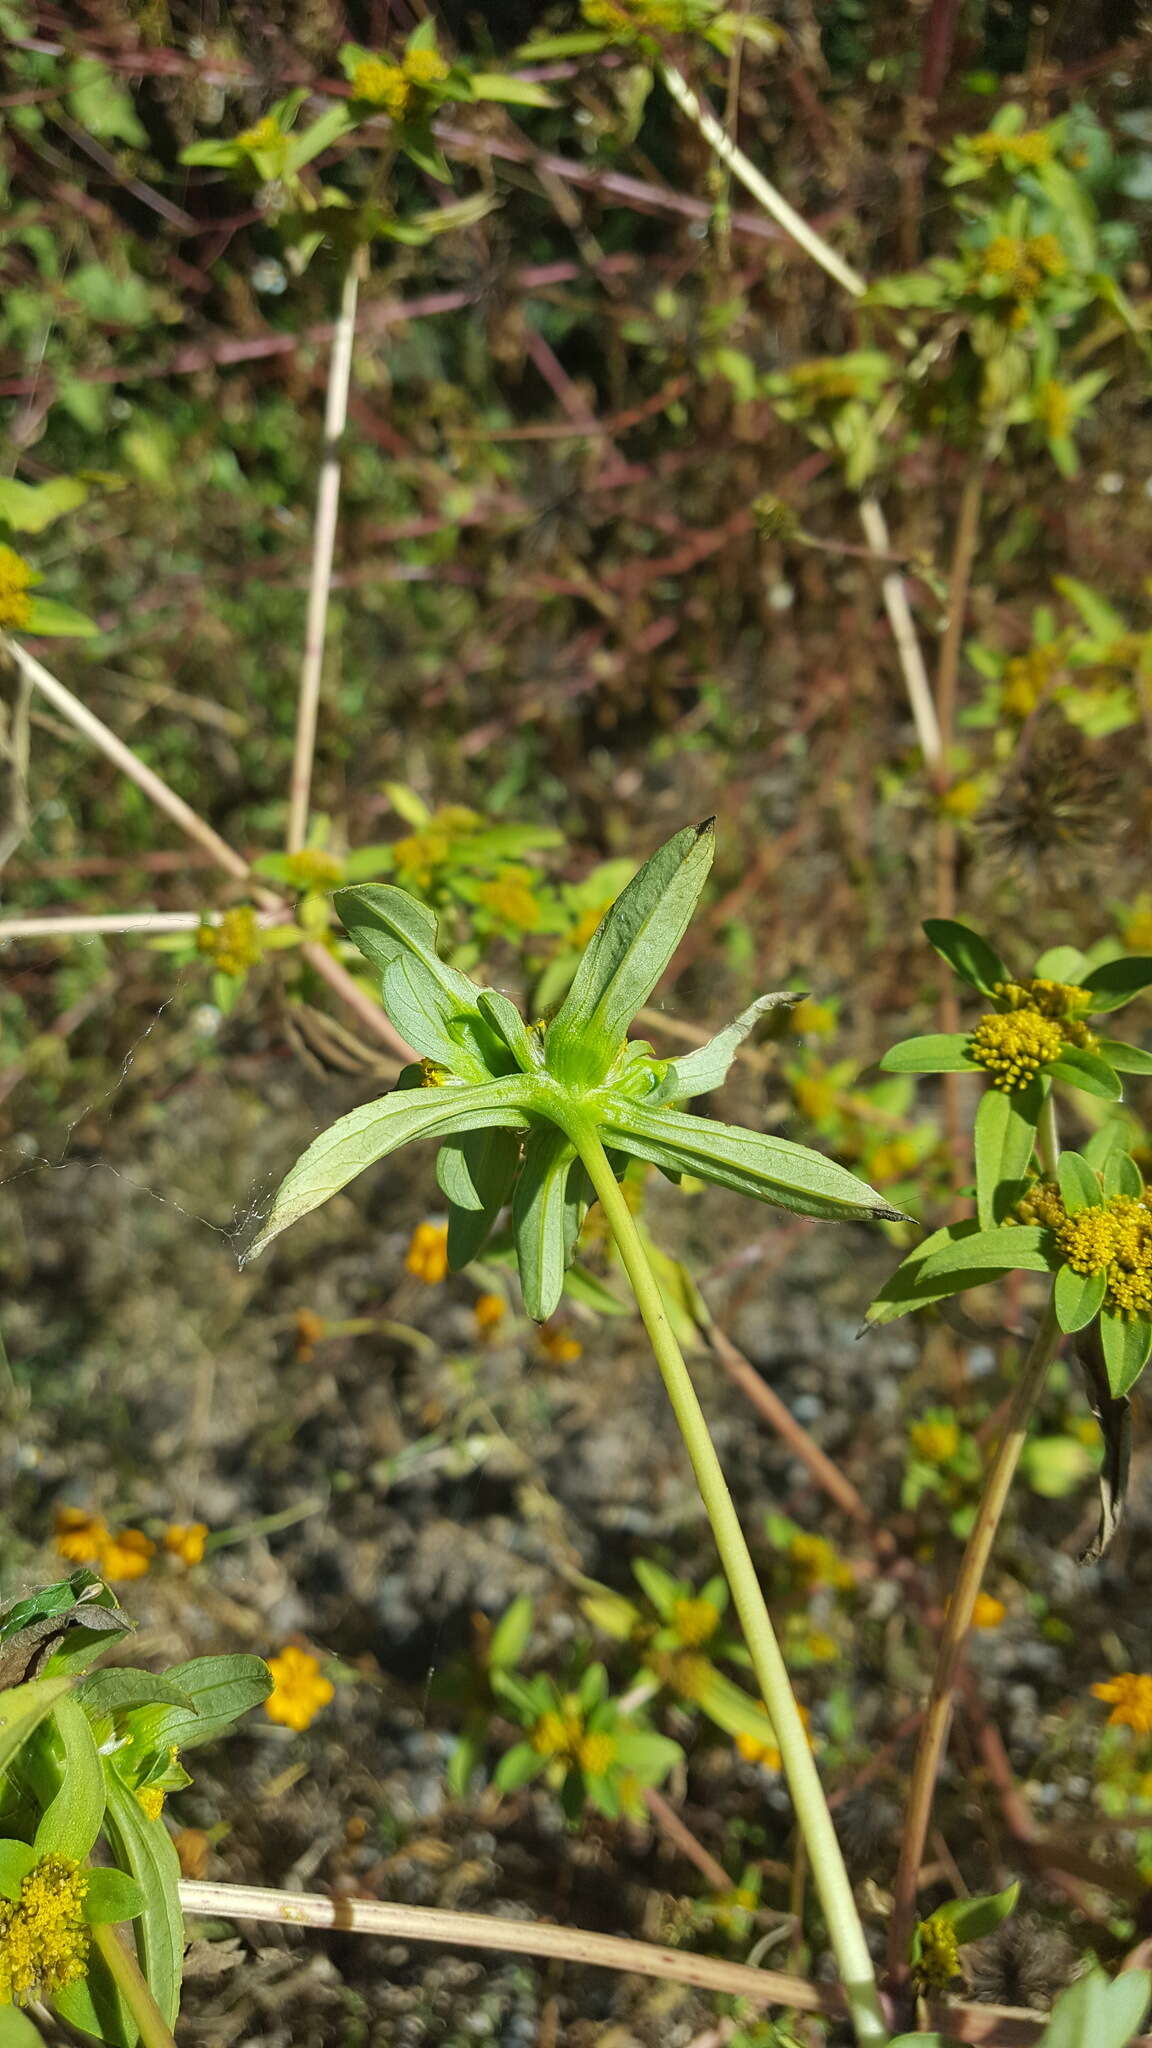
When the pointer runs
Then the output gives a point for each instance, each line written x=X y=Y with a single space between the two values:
x=427 y=1256
x=1015 y=1047
x=299 y=1689
x=1130 y=1697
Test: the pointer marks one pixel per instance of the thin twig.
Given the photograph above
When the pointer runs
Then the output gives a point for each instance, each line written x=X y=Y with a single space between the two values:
x=908 y=650
x=938 y=1714
x=323 y=548
x=754 y=181
x=666 y=1818
x=827 y=1475
x=125 y=921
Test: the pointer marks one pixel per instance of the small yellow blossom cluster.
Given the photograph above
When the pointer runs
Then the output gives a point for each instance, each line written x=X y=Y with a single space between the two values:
x=815 y=1094
x=1130 y=1697
x=1023 y=263
x=427 y=1256
x=1026 y=678
x=1112 y=1237
x=510 y=898
x=1016 y=152
x=1015 y=1047
x=299 y=1689
x=560 y=1735
x=695 y=1621
x=938 y=1961
x=754 y=1751
x=1061 y=999
x=385 y=84
x=819 y=1563
x=891 y=1160
x=122 y=1554
x=311 y=1330
x=558 y=1344
x=313 y=868
x=15 y=579
x=673 y=17
x=936 y=1438
x=233 y=945
x=824 y=380
x=489 y=1311
x=265 y=135
x=43 y=1935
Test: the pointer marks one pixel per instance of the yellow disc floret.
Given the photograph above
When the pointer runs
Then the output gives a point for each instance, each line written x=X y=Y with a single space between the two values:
x=15 y=578
x=1014 y=1048
x=695 y=1621
x=382 y=84
x=43 y=1936
x=1112 y=1237
x=425 y=67
x=597 y=1753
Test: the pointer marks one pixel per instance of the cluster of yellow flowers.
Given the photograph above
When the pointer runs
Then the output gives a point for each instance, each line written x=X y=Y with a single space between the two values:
x=1023 y=262
x=1027 y=677
x=1113 y=1238
x=390 y=86
x=672 y=17
x=936 y=1438
x=1014 y=1047
x=695 y=1621
x=427 y=1255
x=43 y=1935
x=15 y=579
x=509 y=896
x=264 y=134
x=122 y=1554
x=233 y=945
x=299 y=1689
x=1129 y=1695
x=754 y=1751
x=560 y=1735
x=1016 y=152
x=819 y=1563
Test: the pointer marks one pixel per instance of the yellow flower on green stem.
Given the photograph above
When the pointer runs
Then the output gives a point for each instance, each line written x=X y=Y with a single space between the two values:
x=185 y=1540
x=427 y=1255
x=16 y=577
x=1129 y=1695
x=1015 y=1046
x=299 y=1689
x=43 y=1934
x=382 y=84
x=425 y=67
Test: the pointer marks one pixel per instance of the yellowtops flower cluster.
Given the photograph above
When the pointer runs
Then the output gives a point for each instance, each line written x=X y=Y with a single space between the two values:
x=936 y=1438
x=233 y=945
x=1113 y=1237
x=695 y=1621
x=674 y=17
x=1015 y=1046
x=299 y=1689
x=390 y=86
x=122 y=1554
x=1016 y=152
x=939 y=1958
x=264 y=135
x=560 y=1735
x=15 y=579
x=819 y=1563
x=1023 y=263
x=43 y=1935
x=1129 y=1695
x=1027 y=676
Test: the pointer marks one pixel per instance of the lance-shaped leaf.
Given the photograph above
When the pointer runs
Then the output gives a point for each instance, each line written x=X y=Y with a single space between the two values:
x=1077 y=1297
x=1079 y=1187
x=1061 y=963
x=699 y=1072
x=909 y=1288
x=369 y=1133
x=626 y=956
x=547 y=1211
x=72 y=1818
x=1115 y=984
x=967 y=954
x=1015 y=1247
x=1127 y=1341
x=937 y=1052
x=1122 y=1176
x=1093 y=2013
x=501 y=1013
x=1124 y=1059
x=389 y=925
x=1003 y=1138
x=770 y=1169
x=1084 y=1070
x=475 y=1172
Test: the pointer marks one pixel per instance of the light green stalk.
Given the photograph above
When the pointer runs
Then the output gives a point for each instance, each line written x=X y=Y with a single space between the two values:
x=812 y=1815
x=133 y=1987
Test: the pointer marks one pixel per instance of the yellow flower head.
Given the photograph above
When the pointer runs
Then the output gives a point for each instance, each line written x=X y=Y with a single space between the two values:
x=427 y=1257
x=80 y=1536
x=383 y=84
x=127 y=1555
x=419 y=854
x=185 y=1540
x=234 y=945
x=819 y=1563
x=557 y=1734
x=815 y=1095
x=695 y=1621
x=489 y=1310
x=312 y=868
x=509 y=897
x=310 y=1330
x=1136 y=931
x=43 y=1935
x=425 y=67
x=937 y=1438
x=15 y=578
x=299 y=1689
x=1130 y=1697
x=1026 y=678
x=150 y=1800
x=816 y=1020
x=988 y=1612
x=754 y=1752
x=939 y=1960
x=558 y=1344
x=891 y=1160
x=265 y=135
x=596 y=1753
x=1015 y=1047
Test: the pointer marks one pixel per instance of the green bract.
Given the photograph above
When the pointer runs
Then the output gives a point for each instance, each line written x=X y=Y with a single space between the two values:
x=515 y=1106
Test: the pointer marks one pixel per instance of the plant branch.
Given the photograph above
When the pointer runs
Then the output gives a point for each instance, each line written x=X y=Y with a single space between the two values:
x=908 y=650
x=827 y=1864
x=958 y=1622
x=133 y=1987
x=754 y=181
x=323 y=548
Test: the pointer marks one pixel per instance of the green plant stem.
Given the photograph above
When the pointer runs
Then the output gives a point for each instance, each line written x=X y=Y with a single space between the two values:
x=812 y=1815
x=938 y=1714
x=133 y=1987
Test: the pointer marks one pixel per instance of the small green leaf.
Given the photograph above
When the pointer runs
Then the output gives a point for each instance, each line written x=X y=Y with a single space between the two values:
x=626 y=955
x=1014 y=1247
x=1115 y=984
x=1084 y=1070
x=517 y=1767
x=1077 y=1297
x=389 y=925
x=108 y=1692
x=1127 y=1341
x=1061 y=963
x=545 y=1219
x=513 y=92
x=1126 y=1059
x=481 y=1165
x=29 y=508
x=1004 y=1136
x=1094 y=2013
x=113 y=1895
x=72 y=1820
x=967 y=954
x=509 y=1025
x=908 y=1289
x=512 y=1634
x=220 y=1690
x=699 y=1072
x=937 y=1052
x=974 y=1919
x=1079 y=1187
x=16 y=2029
x=1122 y=1176
x=57 y=621
x=16 y=1860
x=367 y=1134
x=769 y=1169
